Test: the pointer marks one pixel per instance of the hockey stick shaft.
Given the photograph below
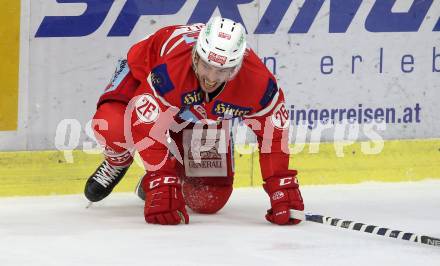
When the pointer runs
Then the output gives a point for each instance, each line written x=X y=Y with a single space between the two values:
x=367 y=228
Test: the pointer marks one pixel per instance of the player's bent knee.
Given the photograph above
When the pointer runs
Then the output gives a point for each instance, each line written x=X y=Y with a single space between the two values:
x=108 y=124
x=206 y=198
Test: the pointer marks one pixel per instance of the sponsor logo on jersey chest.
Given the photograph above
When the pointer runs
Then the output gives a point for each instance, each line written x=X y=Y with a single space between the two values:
x=192 y=98
x=147 y=108
x=207 y=159
x=229 y=110
x=280 y=117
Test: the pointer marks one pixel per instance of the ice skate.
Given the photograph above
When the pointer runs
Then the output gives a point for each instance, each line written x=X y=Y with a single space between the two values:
x=101 y=183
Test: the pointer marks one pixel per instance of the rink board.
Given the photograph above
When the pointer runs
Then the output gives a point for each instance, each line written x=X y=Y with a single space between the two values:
x=9 y=54
x=68 y=52
x=50 y=173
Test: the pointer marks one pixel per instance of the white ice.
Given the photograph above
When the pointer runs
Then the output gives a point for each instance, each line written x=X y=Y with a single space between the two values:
x=59 y=230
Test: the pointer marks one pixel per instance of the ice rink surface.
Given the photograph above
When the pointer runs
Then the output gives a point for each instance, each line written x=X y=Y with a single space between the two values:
x=59 y=230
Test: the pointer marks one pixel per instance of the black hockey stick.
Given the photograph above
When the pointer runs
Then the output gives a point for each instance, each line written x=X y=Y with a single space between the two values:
x=367 y=228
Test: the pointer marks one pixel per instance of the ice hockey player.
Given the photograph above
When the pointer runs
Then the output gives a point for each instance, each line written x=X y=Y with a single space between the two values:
x=173 y=100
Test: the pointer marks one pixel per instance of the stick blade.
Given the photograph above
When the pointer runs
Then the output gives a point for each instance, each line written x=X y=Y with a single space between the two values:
x=428 y=240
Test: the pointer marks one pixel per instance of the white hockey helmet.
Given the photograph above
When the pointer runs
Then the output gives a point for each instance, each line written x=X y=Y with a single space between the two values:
x=222 y=43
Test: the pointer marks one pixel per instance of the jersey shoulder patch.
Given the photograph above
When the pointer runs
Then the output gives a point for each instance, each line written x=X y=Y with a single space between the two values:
x=271 y=90
x=160 y=79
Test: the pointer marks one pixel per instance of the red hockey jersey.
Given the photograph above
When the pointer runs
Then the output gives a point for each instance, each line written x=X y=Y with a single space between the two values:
x=162 y=65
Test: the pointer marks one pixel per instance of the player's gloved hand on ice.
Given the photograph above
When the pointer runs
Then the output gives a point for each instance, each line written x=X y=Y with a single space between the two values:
x=164 y=203
x=283 y=190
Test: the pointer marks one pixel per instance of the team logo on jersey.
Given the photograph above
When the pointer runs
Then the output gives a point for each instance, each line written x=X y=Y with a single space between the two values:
x=224 y=35
x=229 y=110
x=193 y=97
x=147 y=108
x=217 y=58
x=280 y=117
x=160 y=79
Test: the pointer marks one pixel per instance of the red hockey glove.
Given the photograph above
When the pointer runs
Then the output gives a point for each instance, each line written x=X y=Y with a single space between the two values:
x=283 y=190
x=164 y=203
